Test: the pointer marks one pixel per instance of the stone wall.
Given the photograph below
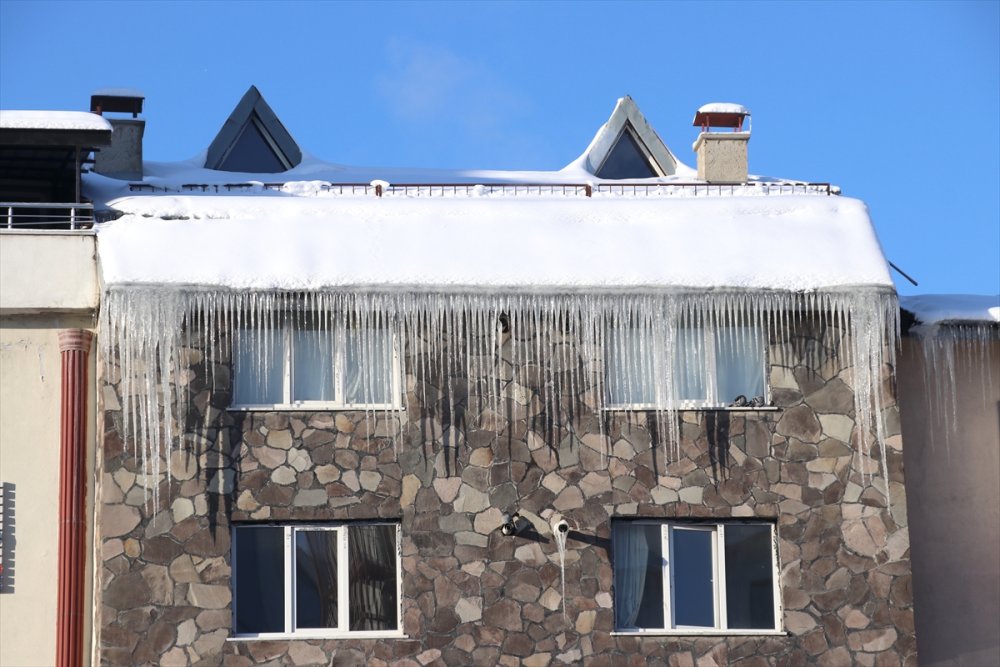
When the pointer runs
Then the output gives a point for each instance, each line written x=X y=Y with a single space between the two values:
x=474 y=596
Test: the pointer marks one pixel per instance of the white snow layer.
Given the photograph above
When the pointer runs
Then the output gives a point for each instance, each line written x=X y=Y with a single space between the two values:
x=537 y=244
x=723 y=107
x=52 y=120
x=935 y=308
x=119 y=92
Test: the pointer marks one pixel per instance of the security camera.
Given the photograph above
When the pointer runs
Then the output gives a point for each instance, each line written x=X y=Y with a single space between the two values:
x=510 y=523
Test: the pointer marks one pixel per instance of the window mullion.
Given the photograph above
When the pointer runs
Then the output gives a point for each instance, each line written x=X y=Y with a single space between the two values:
x=343 y=594
x=719 y=558
x=711 y=382
x=667 y=547
x=289 y=575
x=287 y=364
x=776 y=579
x=338 y=357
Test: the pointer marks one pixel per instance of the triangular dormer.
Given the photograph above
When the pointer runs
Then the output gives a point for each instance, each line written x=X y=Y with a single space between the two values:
x=253 y=140
x=627 y=147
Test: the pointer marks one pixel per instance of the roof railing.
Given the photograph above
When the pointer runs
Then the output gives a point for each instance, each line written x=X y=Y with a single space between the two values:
x=518 y=189
x=46 y=215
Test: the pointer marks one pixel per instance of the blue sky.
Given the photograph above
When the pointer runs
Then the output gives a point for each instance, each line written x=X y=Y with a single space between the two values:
x=898 y=103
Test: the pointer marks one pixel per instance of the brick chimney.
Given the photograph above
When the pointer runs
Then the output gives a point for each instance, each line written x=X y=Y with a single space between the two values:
x=722 y=156
x=123 y=158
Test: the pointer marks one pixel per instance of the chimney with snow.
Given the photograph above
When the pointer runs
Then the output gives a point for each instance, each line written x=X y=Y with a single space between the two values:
x=722 y=156
x=123 y=158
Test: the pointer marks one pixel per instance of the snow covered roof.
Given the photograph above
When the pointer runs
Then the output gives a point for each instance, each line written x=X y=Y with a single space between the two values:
x=603 y=243
x=937 y=308
x=52 y=120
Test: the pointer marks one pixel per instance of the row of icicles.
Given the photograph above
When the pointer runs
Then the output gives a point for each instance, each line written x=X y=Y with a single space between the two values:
x=489 y=357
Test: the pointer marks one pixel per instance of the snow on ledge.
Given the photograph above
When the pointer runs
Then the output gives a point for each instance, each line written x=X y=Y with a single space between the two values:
x=723 y=107
x=52 y=120
x=118 y=92
x=793 y=243
x=937 y=308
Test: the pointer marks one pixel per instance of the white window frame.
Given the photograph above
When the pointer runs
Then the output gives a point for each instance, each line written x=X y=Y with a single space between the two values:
x=711 y=400
x=339 y=362
x=343 y=589
x=667 y=529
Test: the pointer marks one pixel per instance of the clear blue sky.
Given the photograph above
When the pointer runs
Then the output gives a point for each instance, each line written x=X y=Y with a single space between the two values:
x=897 y=102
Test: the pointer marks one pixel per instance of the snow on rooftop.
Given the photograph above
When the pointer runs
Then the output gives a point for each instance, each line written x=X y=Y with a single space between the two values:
x=546 y=243
x=118 y=92
x=937 y=308
x=723 y=107
x=52 y=120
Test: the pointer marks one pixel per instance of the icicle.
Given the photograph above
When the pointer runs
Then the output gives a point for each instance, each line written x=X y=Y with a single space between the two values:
x=566 y=345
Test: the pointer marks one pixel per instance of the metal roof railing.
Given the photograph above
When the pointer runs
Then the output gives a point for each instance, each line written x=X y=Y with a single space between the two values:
x=753 y=188
x=46 y=215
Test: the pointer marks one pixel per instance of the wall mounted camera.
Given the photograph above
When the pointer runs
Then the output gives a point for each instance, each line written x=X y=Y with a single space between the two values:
x=512 y=523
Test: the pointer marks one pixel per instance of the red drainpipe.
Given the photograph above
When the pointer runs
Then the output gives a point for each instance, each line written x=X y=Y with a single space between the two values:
x=74 y=346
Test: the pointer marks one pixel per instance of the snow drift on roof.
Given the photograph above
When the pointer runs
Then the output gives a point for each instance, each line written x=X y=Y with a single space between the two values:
x=936 y=308
x=52 y=120
x=545 y=243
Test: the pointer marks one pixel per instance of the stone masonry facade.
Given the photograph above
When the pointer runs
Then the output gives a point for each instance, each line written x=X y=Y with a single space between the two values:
x=472 y=596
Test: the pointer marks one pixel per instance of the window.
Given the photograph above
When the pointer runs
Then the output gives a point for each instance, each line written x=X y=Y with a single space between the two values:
x=695 y=577
x=314 y=366
x=627 y=159
x=711 y=367
x=318 y=581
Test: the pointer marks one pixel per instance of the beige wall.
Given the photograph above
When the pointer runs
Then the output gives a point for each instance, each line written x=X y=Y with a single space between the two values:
x=48 y=283
x=48 y=271
x=953 y=499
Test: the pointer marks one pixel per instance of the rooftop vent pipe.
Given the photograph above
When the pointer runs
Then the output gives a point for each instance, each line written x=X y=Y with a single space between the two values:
x=123 y=158
x=722 y=156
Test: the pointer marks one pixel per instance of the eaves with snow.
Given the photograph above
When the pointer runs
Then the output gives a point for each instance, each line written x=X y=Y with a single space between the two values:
x=626 y=216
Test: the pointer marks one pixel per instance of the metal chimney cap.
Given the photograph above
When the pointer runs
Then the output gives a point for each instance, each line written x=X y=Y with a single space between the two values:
x=721 y=114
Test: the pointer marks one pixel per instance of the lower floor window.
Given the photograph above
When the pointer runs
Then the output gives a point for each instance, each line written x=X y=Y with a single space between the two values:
x=318 y=580
x=694 y=576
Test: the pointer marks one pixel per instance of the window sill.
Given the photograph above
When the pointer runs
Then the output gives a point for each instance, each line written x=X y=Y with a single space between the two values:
x=282 y=636
x=699 y=633
x=315 y=407
x=650 y=408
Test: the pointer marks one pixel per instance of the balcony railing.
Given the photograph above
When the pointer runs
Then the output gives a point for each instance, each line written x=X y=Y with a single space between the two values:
x=33 y=215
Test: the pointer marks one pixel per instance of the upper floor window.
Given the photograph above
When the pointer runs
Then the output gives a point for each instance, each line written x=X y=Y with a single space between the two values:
x=627 y=159
x=316 y=580
x=695 y=577
x=308 y=365
x=712 y=366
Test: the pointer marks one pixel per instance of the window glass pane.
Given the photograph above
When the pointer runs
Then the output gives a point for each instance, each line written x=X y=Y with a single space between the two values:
x=626 y=160
x=638 y=561
x=312 y=365
x=368 y=366
x=258 y=361
x=692 y=578
x=630 y=376
x=690 y=370
x=259 y=581
x=315 y=578
x=749 y=577
x=372 y=577
x=739 y=358
x=252 y=154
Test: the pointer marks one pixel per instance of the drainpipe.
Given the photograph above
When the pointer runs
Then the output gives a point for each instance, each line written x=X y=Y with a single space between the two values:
x=74 y=346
